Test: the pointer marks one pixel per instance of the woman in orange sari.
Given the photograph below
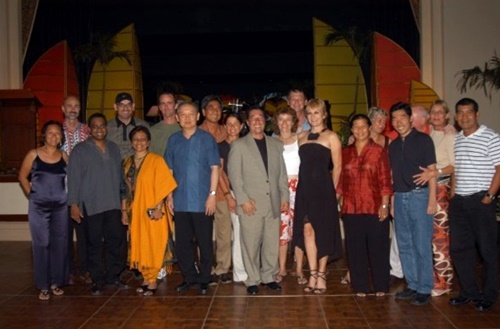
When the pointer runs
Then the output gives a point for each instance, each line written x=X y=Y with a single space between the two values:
x=149 y=182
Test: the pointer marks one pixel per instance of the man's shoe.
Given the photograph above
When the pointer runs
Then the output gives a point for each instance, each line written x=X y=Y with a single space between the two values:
x=274 y=286
x=183 y=286
x=252 y=290
x=421 y=299
x=484 y=305
x=406 y=294
x=119 y=284
x=96 y=289
x=225 y=278
x=460 y=300
x=203 y=288
x=214 y=280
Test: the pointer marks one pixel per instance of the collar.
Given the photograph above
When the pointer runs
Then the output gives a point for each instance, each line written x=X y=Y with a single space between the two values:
x=119 y=123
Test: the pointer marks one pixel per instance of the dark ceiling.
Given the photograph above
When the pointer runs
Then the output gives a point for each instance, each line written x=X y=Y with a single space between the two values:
x=238 y=47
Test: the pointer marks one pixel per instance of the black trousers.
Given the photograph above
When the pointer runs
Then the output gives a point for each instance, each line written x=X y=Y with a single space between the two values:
x=81 y=247
x=194 y=228
x=367 y=243
x=105 y=229
x=472 y=224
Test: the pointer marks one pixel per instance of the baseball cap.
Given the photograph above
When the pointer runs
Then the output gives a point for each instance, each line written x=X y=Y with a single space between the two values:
x=122 y=97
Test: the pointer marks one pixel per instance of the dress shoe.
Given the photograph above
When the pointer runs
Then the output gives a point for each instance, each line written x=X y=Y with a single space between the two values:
x=406 y=294
x=484 y=305
x=184 y=286
x=421 y=299
x=214 y=280
x=252 y=290
x=119 y=284
x=273 y=285
x=225 y=278
x=203 y=288
x=460 y=300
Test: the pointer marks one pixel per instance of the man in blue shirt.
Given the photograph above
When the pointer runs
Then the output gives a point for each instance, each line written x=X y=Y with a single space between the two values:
x=193 y=157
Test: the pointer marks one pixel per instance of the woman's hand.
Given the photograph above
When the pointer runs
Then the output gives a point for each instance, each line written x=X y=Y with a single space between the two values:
x=383 y=212
x=125 y=218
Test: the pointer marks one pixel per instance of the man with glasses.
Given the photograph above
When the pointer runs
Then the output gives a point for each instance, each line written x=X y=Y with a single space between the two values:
x=124 y=122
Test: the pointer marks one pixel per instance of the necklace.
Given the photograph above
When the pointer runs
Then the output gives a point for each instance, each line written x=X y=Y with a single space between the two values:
x=314 y=136
x=139 y=159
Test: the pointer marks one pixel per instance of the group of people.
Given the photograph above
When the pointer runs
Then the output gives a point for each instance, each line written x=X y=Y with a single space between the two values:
x=155 y=196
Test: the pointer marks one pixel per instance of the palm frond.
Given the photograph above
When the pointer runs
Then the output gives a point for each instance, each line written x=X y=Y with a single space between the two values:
x=487 y=78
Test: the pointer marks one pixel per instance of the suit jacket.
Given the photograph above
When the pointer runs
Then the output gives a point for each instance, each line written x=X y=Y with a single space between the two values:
x=249 y=179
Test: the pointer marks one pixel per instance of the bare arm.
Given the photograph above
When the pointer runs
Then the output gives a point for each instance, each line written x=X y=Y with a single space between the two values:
x=336 y=150
x=494 y=186
x=214 y=179
x=432 y=203
x=25 y=170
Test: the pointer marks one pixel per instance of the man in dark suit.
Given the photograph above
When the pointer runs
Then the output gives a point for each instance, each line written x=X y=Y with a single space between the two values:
x=258 y=177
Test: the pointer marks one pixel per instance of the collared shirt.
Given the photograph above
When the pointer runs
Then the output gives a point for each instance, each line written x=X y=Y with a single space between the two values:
x=476 y=157
x=118 y=133
x=80 y=134
x=407 y=155
x=364 y=178
x=220 y=133
x=191 y=161
x=160 y=133
x=94 y=178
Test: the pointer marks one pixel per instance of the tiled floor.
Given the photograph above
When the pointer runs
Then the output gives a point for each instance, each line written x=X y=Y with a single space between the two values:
x=225 y=306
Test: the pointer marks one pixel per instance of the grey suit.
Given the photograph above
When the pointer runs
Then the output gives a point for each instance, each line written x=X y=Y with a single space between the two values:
x=249 y=180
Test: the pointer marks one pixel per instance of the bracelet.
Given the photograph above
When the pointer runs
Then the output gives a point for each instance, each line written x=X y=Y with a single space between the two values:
x=384 y=206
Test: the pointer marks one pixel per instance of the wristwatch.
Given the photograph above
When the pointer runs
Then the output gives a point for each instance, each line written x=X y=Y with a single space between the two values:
x=491 y=196
x=211 y=193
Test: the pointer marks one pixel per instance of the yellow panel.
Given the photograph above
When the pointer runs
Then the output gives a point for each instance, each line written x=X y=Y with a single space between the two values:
x=120 y=77
x=422 y=94
x=337 y=75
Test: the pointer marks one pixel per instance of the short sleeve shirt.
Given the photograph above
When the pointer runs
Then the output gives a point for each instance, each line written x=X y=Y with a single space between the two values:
x=191 y=161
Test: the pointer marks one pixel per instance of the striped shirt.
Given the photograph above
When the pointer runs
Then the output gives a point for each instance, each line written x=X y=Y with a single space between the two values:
x=476 y=157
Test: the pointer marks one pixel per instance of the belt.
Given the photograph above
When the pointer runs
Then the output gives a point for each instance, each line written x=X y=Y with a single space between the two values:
x=420 y=187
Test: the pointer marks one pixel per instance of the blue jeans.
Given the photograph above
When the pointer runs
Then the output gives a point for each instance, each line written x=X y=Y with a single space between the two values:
x=414 y=234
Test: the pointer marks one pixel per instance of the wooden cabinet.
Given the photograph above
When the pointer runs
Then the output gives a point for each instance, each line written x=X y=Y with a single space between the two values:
x=18 y=123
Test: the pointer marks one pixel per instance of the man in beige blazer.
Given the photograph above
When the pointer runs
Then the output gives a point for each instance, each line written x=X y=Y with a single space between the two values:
x=258 y=177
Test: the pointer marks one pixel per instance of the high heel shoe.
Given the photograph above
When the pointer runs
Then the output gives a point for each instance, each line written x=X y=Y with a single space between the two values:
x=312 y=274
x=320 y=275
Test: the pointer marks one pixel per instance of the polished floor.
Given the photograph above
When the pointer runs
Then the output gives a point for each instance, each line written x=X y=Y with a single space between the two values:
x=225 y=306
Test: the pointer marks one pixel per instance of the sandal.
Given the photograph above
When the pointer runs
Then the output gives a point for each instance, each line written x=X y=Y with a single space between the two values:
x=319 y=291
x=314 y=275
x=142 y=288
x=301 y=280
x=56 y=291
x=346 y=279
x=150 y=291
x=361 y=294
x=279 y=277
x=379 y=294
x=44 y=295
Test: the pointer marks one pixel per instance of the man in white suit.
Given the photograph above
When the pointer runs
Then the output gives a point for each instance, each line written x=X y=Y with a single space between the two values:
x=258 y=177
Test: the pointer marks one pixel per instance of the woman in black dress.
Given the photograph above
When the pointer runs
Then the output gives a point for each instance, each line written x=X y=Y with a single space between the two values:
x=316 y=213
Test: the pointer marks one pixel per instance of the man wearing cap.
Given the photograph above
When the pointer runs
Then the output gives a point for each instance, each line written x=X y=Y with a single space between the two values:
x=120 y=127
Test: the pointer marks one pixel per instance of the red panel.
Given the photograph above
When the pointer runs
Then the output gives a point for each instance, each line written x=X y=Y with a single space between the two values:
x=392 y=72
x=51 y=79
